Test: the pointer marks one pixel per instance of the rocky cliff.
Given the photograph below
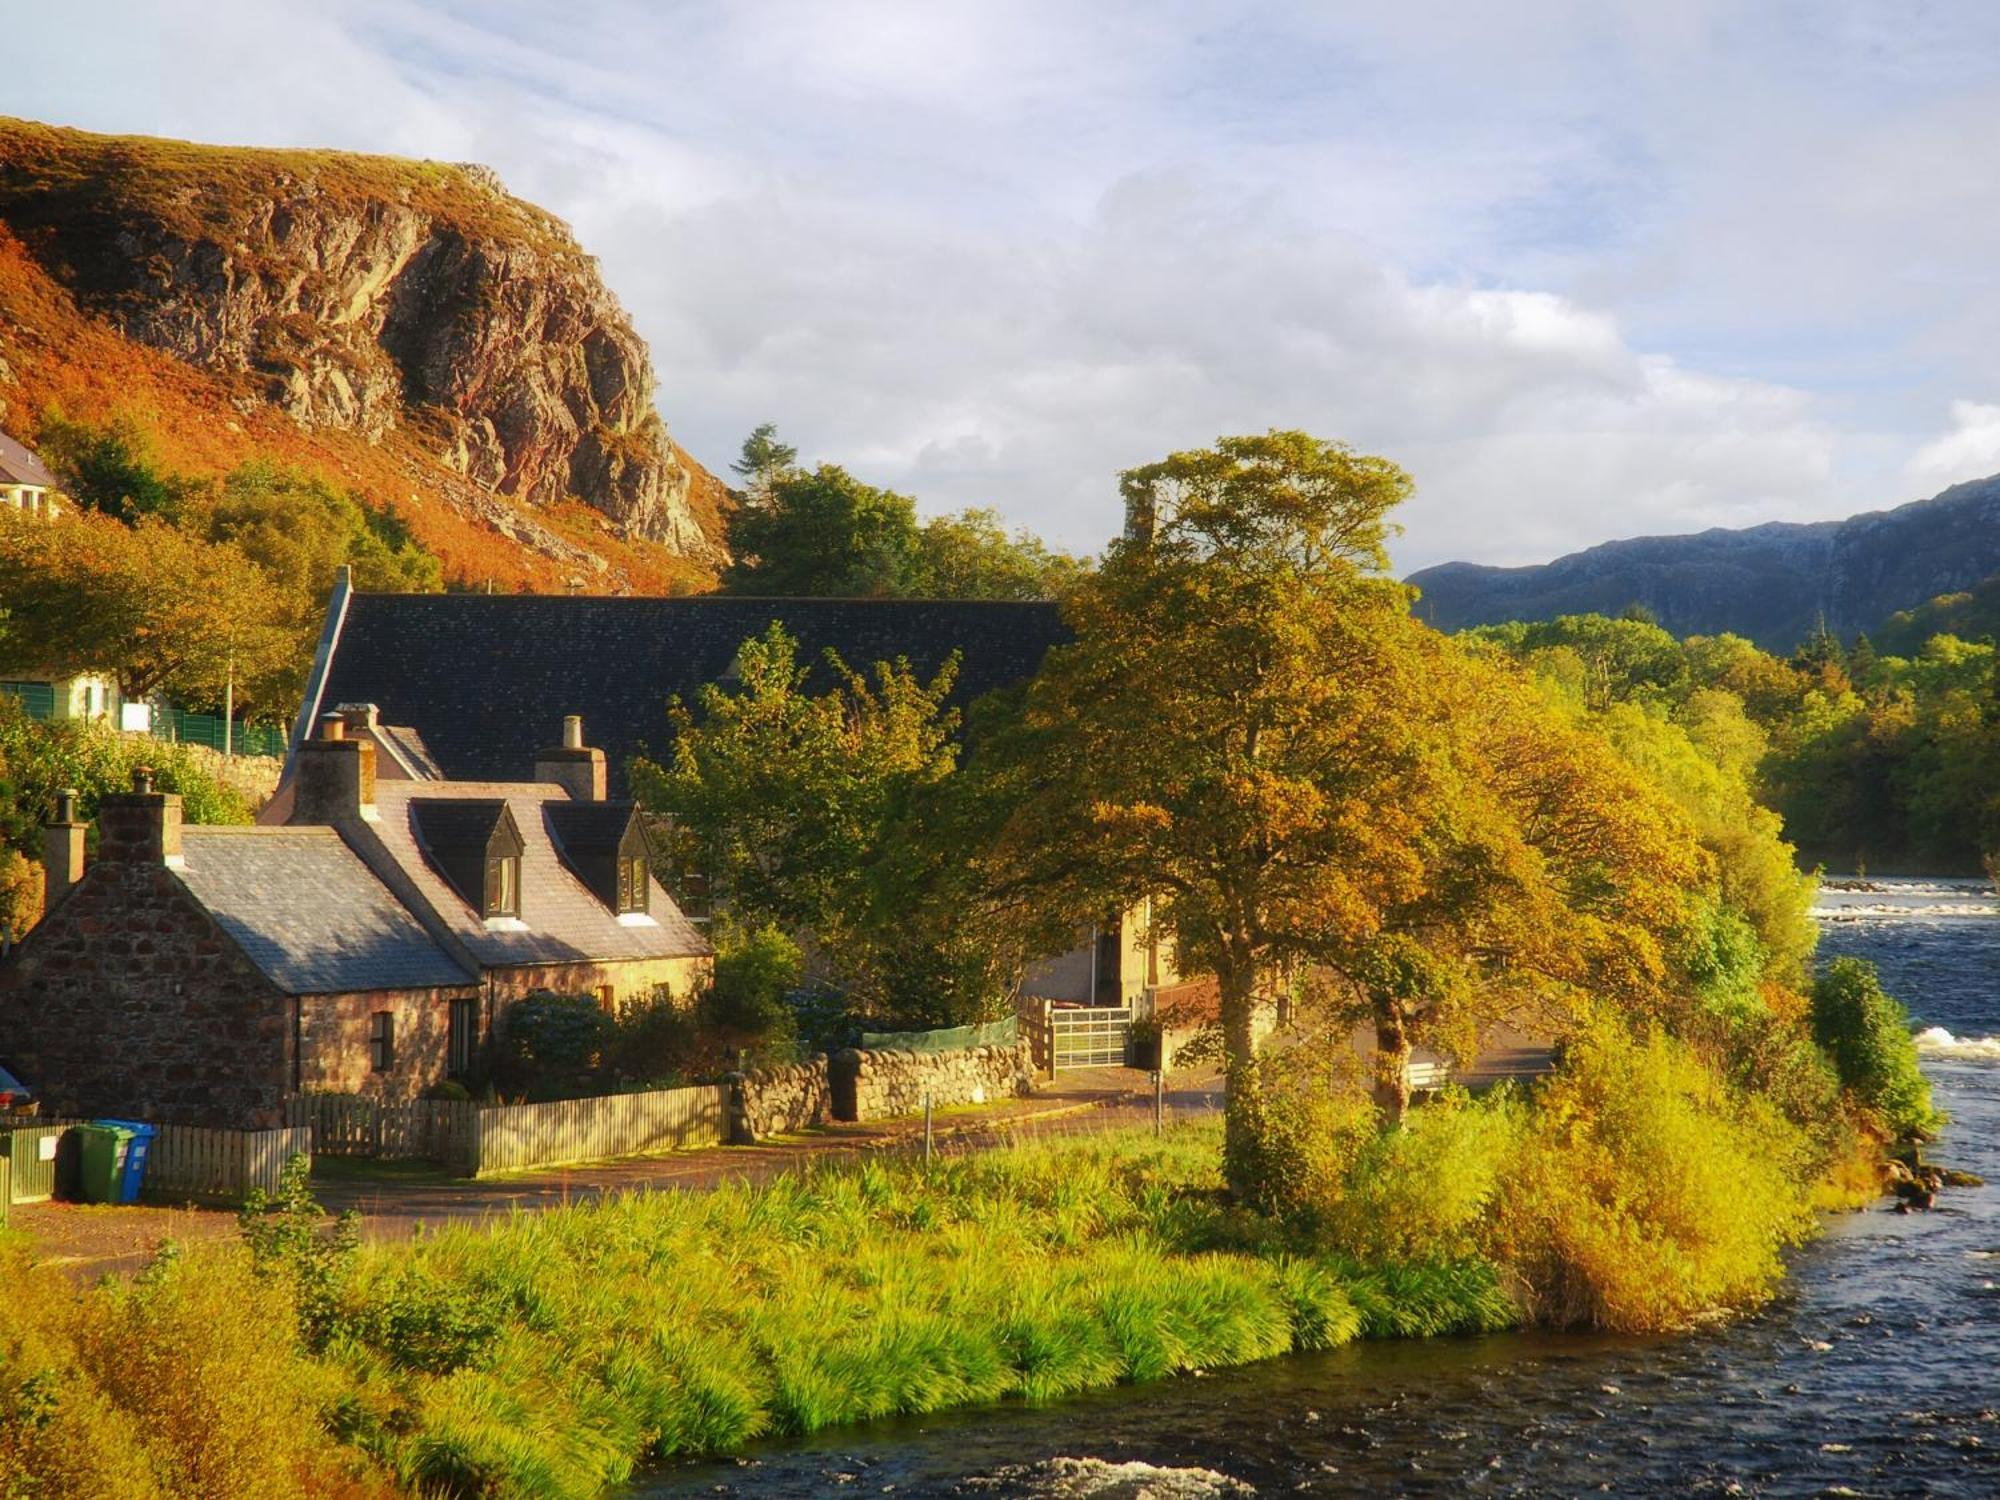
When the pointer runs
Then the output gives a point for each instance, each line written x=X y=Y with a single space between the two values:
x=1771 y=583
x=372 y=296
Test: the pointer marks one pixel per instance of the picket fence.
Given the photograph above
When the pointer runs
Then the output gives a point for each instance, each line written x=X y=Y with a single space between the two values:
x=189 y=1162
x=439 y=1130
x=474 y=1140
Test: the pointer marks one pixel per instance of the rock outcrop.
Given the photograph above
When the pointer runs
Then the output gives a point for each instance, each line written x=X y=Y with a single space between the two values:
x=1772 y=583
x=364 y=293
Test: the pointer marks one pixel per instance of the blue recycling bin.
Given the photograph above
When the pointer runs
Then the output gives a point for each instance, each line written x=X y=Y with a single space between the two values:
x=139 y=1143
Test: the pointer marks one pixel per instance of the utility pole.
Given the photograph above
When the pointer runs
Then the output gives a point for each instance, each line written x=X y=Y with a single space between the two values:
x=229 y=709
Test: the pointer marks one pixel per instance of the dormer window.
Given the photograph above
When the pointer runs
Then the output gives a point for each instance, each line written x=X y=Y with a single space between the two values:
x=474 y=843
x=503 y=886
x=635 y=884
x=604 y=845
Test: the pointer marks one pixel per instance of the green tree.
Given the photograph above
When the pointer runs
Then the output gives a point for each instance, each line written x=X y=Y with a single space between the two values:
x=971 y=556
x=823 y=533
x=111 y=468
x=156 y=607
x=764 y=460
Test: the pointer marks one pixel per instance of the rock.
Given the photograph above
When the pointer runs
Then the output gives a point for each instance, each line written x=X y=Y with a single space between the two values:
x=1957 y=1179
x=368 y=294
x=1916 y=1194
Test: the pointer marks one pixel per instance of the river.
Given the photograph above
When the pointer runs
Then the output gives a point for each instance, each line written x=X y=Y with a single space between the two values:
x=1877 y=1373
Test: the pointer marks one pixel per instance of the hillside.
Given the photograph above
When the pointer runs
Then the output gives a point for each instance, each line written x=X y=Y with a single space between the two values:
x=1771 y=583
x=407 y=329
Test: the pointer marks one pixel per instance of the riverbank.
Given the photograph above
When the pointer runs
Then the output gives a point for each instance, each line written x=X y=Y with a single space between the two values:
x=557 y=1352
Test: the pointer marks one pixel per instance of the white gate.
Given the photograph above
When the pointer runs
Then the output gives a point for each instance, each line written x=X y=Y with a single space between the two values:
x=1088 y=1036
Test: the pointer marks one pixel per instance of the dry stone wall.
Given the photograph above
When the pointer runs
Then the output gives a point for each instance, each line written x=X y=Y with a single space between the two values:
x=782 y=1101
x=882 y=1085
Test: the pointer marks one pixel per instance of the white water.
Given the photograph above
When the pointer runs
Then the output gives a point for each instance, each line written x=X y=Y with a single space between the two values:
x=1843 y=898
x=1935 y=1041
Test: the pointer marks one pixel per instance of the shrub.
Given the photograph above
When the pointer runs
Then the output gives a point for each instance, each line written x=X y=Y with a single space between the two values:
x=1308 y=1120
x=551 y=1044
x=754 y=972
x=1418 y=1193
x=1647 y=1192
x=1867 y=1034
x=284 y=1234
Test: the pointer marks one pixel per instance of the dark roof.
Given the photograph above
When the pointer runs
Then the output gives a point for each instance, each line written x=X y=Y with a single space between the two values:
x=447 y=822
x=488 y=678
x=19 y=466
x=586 y=828
x=408 y=746
x=309 y=913
x=562 y=920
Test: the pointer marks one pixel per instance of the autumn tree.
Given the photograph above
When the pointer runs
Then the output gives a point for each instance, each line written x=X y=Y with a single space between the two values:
x=1251 y=727
x=149 y=603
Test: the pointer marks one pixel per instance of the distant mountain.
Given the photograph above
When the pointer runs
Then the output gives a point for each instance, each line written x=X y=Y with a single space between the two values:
x=1772 y=583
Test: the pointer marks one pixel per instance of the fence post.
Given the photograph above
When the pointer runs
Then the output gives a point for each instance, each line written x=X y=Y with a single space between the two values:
x=1159 y=1101
x=927 y=1129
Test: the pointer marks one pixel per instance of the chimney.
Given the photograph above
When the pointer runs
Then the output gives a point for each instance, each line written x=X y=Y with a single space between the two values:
x=334 y=778
x=141 y=826
x=62 y=848
x=360 y=718
x=573 y=764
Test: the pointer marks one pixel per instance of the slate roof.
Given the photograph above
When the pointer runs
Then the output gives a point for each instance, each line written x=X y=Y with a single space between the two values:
x=561 y=921
x=19 y=466
x=488 y=678
x=309 y=913
x=408 y=746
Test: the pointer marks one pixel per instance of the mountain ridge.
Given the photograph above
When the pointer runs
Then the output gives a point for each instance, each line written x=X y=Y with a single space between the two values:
x=1774 y=582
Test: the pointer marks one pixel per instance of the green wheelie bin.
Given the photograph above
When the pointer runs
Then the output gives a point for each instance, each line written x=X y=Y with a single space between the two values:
x=101 y=1161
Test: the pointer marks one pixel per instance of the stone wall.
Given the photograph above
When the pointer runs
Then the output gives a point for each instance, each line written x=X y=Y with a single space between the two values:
x=334 y=1033
x=127 y=1000
x=882 y=1085
x=631 y=981
x=783 y=1101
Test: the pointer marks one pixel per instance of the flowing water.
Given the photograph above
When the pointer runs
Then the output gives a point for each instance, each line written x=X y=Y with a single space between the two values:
x=1878 y=1373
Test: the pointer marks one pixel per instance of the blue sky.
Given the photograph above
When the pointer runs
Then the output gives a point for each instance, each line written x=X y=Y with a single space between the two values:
x=1587 y=270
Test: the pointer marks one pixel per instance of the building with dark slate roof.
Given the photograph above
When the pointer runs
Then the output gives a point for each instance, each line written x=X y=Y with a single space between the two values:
x=474 y=676
x=365 y=939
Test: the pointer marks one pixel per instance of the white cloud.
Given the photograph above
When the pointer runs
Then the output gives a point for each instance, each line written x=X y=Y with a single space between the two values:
x=1968 y=449
x=1586 y=271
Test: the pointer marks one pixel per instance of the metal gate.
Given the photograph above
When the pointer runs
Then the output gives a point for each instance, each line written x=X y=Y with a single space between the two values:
x=1089 y=1036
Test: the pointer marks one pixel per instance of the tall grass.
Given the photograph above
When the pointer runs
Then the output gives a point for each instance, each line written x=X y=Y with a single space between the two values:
x=554 y=1353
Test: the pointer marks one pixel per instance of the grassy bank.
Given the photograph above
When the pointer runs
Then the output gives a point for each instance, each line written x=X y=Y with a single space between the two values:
x=555 y=1353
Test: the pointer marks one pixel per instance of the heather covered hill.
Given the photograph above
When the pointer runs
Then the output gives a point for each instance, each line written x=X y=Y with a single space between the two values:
x=408 y=329
x=1773 y=583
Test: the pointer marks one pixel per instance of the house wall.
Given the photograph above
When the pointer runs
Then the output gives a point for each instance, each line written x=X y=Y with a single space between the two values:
x=335 y=1034
x=29 y=499
x=631 y=981
x=1145 y=959
x=127 y=1000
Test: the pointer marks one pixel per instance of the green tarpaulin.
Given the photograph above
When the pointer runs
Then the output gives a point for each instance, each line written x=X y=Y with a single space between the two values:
x=952 y=1039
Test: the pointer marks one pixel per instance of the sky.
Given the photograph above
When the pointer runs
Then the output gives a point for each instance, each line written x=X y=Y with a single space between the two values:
x=1585 y=269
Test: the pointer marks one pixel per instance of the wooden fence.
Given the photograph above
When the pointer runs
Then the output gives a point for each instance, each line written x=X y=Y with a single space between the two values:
x=511 y=1138
x=440 y=1130
x=187 y=1162
x=31 y=1151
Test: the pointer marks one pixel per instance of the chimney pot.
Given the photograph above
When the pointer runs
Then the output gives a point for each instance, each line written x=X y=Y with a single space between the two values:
x=62 y=849
x=573 y=765
x=142 y=781
x=572 y=732
x=333 y=727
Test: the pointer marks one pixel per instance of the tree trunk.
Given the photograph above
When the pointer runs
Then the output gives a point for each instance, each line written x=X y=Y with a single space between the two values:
x=1392 y=1062
x=1239 y=996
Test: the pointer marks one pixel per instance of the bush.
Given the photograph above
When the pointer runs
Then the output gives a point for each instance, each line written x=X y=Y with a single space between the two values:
x=1646 y=1192
x=1308 y=1120
x=1419 y=1193
x=1867 y=1034
x=552 y=1045
x=754 y=973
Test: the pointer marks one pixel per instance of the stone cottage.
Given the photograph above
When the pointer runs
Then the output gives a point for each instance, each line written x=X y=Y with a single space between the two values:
x=368 y=944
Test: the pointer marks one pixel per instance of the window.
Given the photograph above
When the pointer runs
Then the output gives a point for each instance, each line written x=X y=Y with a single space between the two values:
x=382 y=1041
x=464 y=1036
x=607 y=999
x=634 y=883
x=503 y=886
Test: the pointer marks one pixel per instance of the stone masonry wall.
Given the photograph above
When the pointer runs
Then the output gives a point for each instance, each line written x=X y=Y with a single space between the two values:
x=127 y=1000
x=336 y=1058
x=783 y=1101
x=881 y=1085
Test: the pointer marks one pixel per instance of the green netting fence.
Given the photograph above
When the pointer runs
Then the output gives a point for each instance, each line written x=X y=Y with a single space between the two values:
x=950 y=1039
